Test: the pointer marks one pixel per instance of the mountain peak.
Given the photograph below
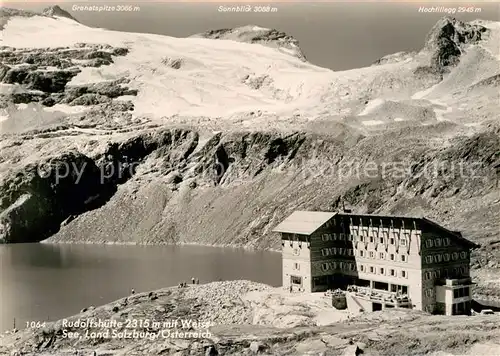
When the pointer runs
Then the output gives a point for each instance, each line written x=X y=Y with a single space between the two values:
x=57 y=11
x=258 y=35
x=446 y=38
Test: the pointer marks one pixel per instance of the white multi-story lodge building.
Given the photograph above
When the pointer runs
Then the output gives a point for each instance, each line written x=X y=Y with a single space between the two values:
x=388 y=261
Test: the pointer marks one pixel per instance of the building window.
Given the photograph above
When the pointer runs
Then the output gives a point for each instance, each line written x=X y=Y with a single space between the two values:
x=403 y=274
x=296 y=266
x=463 y=255
x=437 y=242
x=429 y=292
x=403 y=258
x=362 y=253
x=392 y=272
x=403 y=242
x=381 y=255
x=296 y=280
x=391 y=241
x=454 y=256
x=428 y=275
x=296 y=251
x=446 y=257
x=325 y=266
x=429 y=243
x=447 y=241
x=381 y=270
x=372 y=254
x=371 y=238
x=382 y=240
x=326 y=237
x=372 y=269
x=362 y=268
x=428 y=259
x=392 y=256
x=342 y=237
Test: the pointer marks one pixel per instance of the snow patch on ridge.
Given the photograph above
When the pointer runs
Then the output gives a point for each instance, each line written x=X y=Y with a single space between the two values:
x=67 y=109
x=258 y=28
x=371 y=106
x=423 y=93
x=372 y=122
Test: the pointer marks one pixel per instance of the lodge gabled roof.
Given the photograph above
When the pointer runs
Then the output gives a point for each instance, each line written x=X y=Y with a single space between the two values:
x=453 y=234
x=307 y=222
x=304 y=222
x=456 y=235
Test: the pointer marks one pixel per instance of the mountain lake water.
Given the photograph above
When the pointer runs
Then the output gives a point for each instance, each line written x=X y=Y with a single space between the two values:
x=47 y=282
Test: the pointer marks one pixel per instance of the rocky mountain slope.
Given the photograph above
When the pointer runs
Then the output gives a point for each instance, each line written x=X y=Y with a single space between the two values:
x=246 y=318
x=214 y=139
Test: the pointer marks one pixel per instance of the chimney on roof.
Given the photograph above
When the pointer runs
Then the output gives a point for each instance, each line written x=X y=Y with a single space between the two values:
x=344 y=209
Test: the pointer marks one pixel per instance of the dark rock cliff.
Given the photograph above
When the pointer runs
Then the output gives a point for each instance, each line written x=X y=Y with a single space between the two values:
x=233 y=189
x=446 y=39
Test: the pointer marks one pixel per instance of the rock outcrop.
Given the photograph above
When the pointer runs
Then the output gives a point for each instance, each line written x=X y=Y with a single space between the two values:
x=45 y=74
x=446 y=39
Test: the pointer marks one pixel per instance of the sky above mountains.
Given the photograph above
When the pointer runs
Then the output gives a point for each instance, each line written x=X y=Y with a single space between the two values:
x=336 y=35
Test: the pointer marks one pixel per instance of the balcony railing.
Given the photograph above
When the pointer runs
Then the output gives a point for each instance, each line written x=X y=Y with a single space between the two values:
x=452 y=282
x=380 y=296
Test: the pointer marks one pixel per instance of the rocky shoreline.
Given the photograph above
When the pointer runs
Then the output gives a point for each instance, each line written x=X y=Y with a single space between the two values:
x=246 y=318
x=182 y=243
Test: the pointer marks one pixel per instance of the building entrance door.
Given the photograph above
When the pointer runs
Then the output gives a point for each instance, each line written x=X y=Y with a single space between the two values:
x=295 y=281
